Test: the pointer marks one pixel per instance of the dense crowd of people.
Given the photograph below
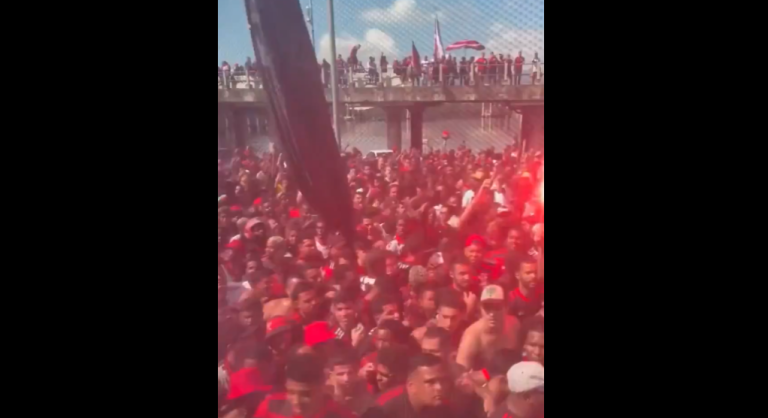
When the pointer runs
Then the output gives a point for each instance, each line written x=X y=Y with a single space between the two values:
x=452 y=71
x=448 y=70
x=435 y=309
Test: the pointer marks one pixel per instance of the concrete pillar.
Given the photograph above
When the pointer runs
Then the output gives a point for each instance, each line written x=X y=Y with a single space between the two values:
x=240 y=125
x=394 y=127
x=532 y=129
x=251 y=116
x=223 y=134
x=417 y=126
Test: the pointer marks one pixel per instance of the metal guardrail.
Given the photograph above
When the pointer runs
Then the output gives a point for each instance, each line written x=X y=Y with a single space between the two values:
x=503 y=75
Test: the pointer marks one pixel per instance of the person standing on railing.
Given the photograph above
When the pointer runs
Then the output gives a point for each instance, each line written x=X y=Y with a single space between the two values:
x=436 y=72
x=463 y=72
x=405 y=69
x=482 y=68
x=535 y=68
x=412 y=72
x=341 y=71
x=455 y=71
x=238 y=71
x=502 y=68
x=509 y=64
x=383 y=64
x=519 y=61
x=326 y=73
x=226 y=75
x=451 y=70
x=493 y=67
x=251 y=70
x=353 y=62
x=373 y=76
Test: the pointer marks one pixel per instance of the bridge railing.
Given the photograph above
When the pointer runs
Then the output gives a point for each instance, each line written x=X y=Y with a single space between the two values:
x=498 y=74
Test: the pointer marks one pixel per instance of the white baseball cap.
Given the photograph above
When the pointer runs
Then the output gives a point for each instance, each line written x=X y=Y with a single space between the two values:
x=526 y=376
x=492 y=292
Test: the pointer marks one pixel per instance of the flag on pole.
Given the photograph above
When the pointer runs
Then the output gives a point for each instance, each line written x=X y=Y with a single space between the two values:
x=439 y=50
x=415 y=58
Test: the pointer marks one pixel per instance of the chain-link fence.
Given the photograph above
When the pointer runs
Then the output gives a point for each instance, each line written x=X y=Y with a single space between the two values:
x=391 y=44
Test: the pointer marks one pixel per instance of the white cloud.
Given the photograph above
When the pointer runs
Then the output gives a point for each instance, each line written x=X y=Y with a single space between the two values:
x=373 y=44
x=505 y=40
x=400 y=12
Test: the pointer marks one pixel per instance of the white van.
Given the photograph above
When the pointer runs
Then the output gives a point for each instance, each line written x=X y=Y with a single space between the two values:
x=378 y=153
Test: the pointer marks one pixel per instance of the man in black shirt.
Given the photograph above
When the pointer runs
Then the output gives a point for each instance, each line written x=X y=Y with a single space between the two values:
x=532 y=338
x=427 y=393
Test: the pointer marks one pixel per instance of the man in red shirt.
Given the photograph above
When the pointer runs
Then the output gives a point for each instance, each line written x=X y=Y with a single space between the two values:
x=304 y=396
x=527 y=298
x=504 y=261
x=305 y=301
x=482 y=68
x=519 y=61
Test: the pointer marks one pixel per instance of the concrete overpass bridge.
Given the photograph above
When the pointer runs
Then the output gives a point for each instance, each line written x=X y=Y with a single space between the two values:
x=236 y=106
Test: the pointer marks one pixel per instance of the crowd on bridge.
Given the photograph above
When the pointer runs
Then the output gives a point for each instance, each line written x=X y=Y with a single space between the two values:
x=447 y=70
x=436 y=309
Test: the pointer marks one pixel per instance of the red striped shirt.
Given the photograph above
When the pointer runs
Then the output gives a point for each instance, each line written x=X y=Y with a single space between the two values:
x=277 y=406
x=390 y=395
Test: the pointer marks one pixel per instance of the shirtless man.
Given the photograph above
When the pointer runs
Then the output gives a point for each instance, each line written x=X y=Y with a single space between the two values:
x=492 y=332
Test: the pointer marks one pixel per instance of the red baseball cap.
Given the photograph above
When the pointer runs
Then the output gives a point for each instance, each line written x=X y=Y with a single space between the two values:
x=246 y=381
x=475 y=239
x=236 y=245
x=317 y=332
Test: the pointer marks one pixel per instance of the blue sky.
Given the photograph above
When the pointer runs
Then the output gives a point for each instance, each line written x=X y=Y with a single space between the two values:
x=389 y=26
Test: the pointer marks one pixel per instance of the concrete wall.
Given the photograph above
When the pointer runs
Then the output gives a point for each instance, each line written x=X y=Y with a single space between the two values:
x=519 y=95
